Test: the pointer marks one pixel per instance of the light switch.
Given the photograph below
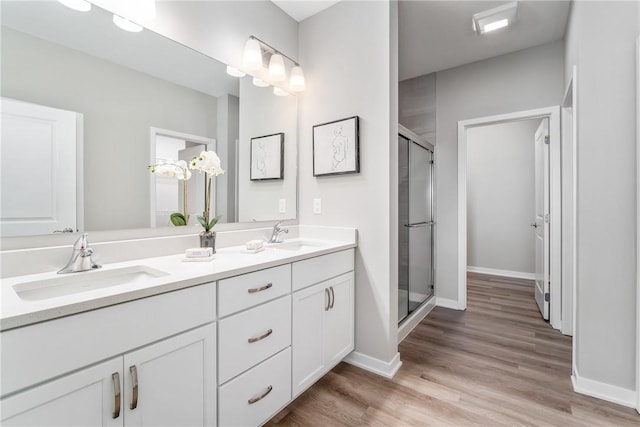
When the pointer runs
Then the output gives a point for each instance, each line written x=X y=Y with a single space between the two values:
x=282 y=205
x=317 y=206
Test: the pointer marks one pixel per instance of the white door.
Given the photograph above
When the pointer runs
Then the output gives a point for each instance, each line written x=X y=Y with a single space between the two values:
x=172 y=382
x=90 y=397
x=541 y=223
x=196 y=185
x=309 y=306
x=38 y=169
x=338 y=326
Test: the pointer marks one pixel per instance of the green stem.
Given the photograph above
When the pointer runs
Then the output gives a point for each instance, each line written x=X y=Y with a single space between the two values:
x=207 y=201
x=184 y=199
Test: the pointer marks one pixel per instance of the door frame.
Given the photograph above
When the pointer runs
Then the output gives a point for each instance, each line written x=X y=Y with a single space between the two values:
x=553 y=114
x=153 y=133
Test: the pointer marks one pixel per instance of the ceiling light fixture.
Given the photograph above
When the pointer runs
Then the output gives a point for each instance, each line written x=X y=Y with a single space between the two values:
x=125 y=24
x=256 y=50
x=280 y=92
x=129 y=13
x=259 y=82
x=496 y=18
x=232 y=71
x=79 y=5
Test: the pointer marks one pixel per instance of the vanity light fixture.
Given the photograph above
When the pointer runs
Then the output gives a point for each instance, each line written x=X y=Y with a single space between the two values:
x=232 y=71
x=259 y=82
x=280 y=92
x=132 y=11
x=79 y=5
x=256 y=50
x=496 y=18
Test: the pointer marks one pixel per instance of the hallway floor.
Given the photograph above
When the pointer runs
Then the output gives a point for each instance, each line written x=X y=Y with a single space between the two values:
x=497 y=363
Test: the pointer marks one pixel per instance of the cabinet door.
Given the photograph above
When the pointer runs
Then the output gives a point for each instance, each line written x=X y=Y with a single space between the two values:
x=172 y=382
x=338 y=328
x=90 y=397
x=308 y=319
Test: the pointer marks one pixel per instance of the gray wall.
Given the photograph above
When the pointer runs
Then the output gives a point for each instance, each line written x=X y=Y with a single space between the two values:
x=119 y=105
x=601 y=42
x=501 y=197
x=417 y=105
x=348 y=54
x=524 y=80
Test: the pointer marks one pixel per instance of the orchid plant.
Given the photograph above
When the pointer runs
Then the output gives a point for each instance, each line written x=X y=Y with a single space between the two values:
x=175 y=169
x=209 y=163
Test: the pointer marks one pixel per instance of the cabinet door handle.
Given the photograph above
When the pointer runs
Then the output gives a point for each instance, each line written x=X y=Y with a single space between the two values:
x=261 y=337
x=115 y=377
x=134 y=386
x=262 y=396
x=328 y=305
x=333 y=297
x=261 y=288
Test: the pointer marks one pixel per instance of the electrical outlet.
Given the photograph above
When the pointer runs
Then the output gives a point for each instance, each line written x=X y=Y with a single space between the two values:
x=317 y=206
x=282 y=205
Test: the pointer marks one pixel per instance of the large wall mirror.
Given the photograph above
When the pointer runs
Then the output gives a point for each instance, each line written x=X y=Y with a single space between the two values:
x=87 y=107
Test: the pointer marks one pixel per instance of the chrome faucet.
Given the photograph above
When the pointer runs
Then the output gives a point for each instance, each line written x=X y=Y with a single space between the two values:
x=275 y=234
x=81 y=258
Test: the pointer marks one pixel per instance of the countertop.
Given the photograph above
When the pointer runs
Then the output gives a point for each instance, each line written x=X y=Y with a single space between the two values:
x=230 y=261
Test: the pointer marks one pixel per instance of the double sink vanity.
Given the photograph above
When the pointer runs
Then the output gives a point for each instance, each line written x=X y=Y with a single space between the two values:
x=161 y=341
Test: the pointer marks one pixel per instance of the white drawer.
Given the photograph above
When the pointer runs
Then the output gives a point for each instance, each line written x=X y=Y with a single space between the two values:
x=248 y=290
x=315 y=270
x=270 y=380
x=248 y=338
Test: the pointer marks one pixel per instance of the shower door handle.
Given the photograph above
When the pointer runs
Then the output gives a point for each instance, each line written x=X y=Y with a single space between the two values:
x=420 y=224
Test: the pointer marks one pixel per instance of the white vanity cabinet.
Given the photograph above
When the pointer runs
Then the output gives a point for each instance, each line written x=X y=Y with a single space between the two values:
x=160 y=366
x=323 y=318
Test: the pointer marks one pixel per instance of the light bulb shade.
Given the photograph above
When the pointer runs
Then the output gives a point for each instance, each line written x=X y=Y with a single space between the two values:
x=252 y=58
x=280 y=92
x=126 y=25
x=277 y=72
x=232 y=71
x=79 y=5
x=296 y=81
x=259 y=82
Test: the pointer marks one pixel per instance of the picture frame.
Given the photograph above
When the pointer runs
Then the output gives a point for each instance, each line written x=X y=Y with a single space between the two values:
x=267 y=157
x=336 y=147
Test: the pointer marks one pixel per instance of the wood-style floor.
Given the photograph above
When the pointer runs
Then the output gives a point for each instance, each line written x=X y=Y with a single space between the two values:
x=497 y=363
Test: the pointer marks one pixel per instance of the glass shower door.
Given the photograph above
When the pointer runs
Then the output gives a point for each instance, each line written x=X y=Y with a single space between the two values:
x=415 y=232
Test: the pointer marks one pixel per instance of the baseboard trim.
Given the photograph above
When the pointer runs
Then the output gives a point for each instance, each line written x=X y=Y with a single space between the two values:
x=504 y=273
x=377 y=366
x=448 y=303
x=604 y=391
x=415 y=318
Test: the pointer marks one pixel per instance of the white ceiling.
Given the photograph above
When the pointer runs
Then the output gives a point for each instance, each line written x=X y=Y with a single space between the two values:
x=302 y=9
x=437 y=35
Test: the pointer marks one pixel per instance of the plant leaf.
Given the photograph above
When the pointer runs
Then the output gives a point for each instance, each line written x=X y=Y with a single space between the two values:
x=178 y=219
x=214 y=221
x=202 y=222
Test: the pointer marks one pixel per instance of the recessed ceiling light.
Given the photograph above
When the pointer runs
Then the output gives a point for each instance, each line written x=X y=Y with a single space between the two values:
x=496 y=18
x=232 y=71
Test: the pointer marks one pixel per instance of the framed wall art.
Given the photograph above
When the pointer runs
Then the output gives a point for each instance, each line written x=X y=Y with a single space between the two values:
x=267 y=157
x=336 y=147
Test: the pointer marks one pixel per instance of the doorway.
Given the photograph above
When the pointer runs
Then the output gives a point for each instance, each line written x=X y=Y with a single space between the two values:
x=555 y=229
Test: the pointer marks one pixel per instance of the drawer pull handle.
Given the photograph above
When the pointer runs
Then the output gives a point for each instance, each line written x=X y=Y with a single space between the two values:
x=261 y=288
x=134 y=384
x=333 y=297
x=116 y=395
x=259 y=398
x=261 y=337
x=328 y=305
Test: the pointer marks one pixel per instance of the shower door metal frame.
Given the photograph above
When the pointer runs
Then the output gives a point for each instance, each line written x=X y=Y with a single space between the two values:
x=415 y=138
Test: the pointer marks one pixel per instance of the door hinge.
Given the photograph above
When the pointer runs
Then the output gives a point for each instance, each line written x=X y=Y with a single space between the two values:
x=547 y=297
x=430 y=162
x=546 y=139
x=546 y=218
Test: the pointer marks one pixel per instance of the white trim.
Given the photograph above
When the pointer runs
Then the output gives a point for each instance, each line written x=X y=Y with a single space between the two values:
x=153 y=133
x=503 y=273
x=371 y=364
x=638 y=223
x=415 y=318
x=448 y=303
x=553 y=113
x=608 y=392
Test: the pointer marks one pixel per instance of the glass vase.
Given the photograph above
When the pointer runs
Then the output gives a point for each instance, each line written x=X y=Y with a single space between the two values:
x=208 y=240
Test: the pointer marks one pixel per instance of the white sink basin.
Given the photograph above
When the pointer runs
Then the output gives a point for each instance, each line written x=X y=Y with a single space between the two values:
x=297 y=245
x=74 y=283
